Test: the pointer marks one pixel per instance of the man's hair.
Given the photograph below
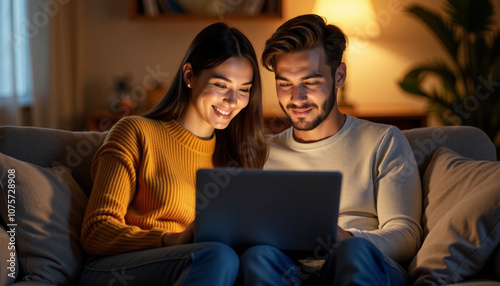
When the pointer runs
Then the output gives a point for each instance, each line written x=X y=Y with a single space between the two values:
x=302 y=33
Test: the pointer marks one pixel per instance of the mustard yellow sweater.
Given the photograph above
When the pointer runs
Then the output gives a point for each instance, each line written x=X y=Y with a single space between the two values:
x=144 y=185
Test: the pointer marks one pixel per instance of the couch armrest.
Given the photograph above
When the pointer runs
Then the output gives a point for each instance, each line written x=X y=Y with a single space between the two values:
x=48 y=147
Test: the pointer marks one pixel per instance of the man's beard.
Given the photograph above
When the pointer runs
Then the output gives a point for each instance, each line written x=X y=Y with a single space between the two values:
x=307 y=126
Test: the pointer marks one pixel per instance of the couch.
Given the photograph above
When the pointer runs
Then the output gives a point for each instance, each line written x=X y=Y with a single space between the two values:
x=45 y=185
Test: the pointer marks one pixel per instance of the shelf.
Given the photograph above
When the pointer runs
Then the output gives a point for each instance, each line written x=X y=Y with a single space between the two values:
x=146 y=10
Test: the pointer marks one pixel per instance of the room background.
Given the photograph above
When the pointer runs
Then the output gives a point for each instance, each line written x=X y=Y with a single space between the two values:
x=111 y=44
x=104 y=43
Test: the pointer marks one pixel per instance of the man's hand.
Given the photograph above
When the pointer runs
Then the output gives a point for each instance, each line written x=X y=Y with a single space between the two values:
x=342 y=234
x=176 y=238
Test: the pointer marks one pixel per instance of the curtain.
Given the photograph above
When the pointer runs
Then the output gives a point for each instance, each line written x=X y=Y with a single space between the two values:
x=48 y=30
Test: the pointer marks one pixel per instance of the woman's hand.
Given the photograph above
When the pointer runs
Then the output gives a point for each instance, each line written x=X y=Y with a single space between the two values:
x=342 y=234
x=176 y=238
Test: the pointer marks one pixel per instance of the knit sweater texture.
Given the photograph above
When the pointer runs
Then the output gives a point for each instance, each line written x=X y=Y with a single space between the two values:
x=144 y=185
x=381 y=196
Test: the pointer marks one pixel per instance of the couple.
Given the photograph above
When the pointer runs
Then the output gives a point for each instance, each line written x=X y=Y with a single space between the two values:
x=138 y=227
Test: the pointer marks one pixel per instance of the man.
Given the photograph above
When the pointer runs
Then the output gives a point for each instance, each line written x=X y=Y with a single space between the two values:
x=380 y=206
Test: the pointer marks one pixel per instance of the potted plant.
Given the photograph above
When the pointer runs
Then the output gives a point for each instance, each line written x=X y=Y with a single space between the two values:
x=468 y=81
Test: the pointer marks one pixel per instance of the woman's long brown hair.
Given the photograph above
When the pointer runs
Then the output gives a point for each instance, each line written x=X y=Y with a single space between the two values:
x=242 y=143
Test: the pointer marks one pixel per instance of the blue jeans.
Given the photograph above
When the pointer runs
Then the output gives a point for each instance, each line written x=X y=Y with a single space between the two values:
x=353 y=261
x=207 y=263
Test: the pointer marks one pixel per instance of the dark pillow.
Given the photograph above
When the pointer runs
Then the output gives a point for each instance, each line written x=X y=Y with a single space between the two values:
x=45 y=207
x=461 y=218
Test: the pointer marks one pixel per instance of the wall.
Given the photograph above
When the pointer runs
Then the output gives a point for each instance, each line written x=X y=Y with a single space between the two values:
x=111 y=44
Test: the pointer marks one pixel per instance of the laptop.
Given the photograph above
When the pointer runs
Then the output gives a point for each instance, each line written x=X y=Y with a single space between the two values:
x=295 y=211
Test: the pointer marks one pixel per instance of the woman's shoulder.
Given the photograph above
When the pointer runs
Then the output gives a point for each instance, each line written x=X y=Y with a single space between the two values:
x=133 y=126
x=136 y=120
x=137 y=123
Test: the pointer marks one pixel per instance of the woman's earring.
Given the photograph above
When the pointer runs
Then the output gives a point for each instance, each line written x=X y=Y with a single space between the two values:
x=189 y=85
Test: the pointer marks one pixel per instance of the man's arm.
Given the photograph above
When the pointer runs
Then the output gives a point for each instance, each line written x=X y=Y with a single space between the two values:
x=398 y=196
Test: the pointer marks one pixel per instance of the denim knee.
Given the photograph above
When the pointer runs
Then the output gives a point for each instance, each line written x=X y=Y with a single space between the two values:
x=355 y=261
x=353 y=246
x=267 y=265
x=214 y=264
x=217 y=255
x=259 y=252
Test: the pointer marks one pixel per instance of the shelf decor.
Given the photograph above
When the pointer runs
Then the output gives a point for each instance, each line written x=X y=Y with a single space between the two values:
x=203 y=9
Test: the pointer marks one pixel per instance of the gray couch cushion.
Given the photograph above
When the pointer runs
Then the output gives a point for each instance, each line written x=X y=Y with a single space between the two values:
x=8 y=263
x=52 y=147
x=461 y=218
x=48 y=211
x=468 y=141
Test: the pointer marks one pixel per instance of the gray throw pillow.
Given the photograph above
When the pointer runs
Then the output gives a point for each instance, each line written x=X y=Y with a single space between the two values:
x=461 y=218
x=45 y=208
x=8 y=263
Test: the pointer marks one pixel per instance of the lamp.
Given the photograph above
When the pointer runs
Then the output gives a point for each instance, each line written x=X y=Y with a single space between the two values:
x=357 y=20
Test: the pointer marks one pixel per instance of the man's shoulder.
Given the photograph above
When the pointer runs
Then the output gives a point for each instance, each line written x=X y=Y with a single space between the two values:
x=279 y=138
x=372 y=129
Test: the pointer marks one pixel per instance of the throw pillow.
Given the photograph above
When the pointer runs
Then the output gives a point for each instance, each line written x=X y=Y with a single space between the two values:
x=461 y=218
x=8 y=263
x=45 y=207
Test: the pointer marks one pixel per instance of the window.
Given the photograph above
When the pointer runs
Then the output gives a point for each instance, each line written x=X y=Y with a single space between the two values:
x=15 y=71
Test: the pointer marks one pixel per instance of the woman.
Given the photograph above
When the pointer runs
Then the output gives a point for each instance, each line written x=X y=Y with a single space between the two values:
x=139 y=221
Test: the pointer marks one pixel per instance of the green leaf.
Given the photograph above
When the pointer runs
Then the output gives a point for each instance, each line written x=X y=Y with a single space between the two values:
x=439 y=70
x=445 y=33
x=474 y=16
x=469 y=93
x=433 y=98
x=413 y=89
x=416 y=90
x=439 y=100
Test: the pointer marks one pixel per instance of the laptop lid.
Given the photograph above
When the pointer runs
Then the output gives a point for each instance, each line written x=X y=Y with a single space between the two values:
x=291 y=210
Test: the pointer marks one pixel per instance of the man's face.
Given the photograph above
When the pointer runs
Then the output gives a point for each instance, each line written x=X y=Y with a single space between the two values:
x=305 y=87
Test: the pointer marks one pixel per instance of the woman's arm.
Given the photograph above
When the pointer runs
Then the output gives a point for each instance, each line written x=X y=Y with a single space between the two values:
x=175 y=238
x=104 y=229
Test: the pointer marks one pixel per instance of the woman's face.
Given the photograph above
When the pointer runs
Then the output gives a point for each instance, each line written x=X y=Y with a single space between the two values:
x=217 y=95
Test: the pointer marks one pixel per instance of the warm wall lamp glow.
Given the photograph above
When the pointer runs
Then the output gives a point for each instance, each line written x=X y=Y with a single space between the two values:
x=355 y=17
